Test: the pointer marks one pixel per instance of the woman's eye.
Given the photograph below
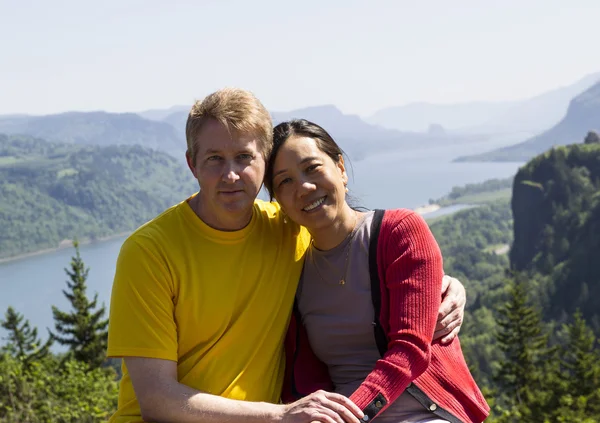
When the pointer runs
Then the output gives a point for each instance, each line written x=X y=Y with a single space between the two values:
x=246 y=156
x=312 y=167
x=285 y=181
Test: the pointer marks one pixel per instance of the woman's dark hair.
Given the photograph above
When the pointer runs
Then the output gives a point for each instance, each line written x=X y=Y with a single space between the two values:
x=302 y=128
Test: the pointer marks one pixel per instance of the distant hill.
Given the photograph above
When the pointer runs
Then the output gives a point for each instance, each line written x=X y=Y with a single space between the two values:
x=419 y=116
x=161 y=114
x=51 y=192
x=97 y=128
x=356 y=136
x=540 y=112
x=527 y=116
x=582 y=116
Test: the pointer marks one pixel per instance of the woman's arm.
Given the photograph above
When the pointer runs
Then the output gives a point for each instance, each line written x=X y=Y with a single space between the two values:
x=410 y=263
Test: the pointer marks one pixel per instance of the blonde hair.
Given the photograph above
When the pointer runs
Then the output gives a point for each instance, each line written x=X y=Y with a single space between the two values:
x=236 y=109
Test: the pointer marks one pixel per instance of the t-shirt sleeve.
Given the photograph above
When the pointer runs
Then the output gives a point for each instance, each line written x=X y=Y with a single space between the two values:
x=142 y=322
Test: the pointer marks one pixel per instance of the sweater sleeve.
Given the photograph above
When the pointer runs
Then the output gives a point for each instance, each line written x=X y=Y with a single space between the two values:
x=412 y=275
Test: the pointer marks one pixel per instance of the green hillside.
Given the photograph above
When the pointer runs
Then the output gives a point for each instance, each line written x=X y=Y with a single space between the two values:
x=97 y=128
x=556 y=206
x=51 y=192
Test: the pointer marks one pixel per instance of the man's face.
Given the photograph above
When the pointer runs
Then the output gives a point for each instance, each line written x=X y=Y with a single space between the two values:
x=230 y=169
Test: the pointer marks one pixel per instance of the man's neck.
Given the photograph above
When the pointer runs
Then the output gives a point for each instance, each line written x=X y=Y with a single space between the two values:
x=227 y=222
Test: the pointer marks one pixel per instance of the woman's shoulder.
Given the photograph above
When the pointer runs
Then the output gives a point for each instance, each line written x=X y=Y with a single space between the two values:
x=396 y=216
x=403 y=222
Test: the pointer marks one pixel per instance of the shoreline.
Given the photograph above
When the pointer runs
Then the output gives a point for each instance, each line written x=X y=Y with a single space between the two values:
x=68 y=243
x=430 y=208
x=65 y=243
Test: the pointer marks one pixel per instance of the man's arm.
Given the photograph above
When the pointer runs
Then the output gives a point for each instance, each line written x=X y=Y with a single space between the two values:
x=452 y=310
x=163 y=399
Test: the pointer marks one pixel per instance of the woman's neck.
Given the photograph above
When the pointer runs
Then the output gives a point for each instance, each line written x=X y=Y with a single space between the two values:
x=333 y=235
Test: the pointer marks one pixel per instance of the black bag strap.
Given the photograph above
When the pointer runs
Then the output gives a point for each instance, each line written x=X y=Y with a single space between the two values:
x=380 y=336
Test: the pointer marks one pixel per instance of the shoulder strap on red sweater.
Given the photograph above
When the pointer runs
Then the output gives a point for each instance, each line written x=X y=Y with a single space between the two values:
x=380 y=337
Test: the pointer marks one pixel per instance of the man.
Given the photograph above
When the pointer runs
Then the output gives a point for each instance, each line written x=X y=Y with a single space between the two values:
x=203 y=293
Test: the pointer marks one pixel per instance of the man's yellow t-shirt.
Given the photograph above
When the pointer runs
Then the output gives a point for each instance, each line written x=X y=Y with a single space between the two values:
x=218 y=303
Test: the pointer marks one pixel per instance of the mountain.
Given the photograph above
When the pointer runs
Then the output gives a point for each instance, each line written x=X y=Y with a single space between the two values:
x=418 y=116
x=528 y=116
x=161 y=114
x=540 y=112
x=358 y=138
x=556 y=210
x=97 y=128
x=51 y=191
x=582 y=116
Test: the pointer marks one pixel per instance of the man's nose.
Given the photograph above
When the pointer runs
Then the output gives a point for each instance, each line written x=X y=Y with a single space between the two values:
x=231 y=173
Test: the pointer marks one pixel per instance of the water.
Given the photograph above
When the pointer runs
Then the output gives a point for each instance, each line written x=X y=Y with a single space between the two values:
x=448 y=210
x=32 y=285
x=410 y=179
x=401 y=179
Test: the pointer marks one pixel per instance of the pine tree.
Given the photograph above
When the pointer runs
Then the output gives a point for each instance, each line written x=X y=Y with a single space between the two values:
x=23 y=342
x=529 y=366
x=83 y=329
x=581 y=370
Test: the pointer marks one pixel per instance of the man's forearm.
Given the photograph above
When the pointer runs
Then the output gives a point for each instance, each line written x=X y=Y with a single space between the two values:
x=180 y=403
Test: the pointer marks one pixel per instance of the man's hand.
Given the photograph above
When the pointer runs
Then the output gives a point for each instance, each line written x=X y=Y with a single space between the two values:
x=452 y=310
x=322 y=406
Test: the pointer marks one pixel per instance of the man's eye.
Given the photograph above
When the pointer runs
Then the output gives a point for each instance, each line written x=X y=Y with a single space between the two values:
x=246 y=156
x=213 y=158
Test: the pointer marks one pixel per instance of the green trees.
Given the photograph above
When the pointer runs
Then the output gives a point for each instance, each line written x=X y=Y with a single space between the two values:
x=51 y=192
x=524 y=373
x=530 y=369
x=23 y=341
x=537 y=381
x=53 y=390
x=37 y=385
x=556 y=209
x=592 y=137
x=580 y=368
x=83 y=330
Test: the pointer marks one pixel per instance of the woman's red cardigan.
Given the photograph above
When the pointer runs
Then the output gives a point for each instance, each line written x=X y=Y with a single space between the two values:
x=406 y=272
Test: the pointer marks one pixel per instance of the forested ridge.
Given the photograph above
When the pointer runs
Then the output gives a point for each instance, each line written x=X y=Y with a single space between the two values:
x=531 y=329
x=56 y=191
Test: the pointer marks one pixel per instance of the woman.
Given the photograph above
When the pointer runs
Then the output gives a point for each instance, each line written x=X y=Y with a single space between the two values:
x=369 y=295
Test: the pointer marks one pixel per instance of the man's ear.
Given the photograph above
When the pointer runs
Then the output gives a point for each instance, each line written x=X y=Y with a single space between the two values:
x=190 y=162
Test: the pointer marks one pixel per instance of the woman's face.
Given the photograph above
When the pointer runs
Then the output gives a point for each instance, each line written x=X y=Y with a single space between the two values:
x=308 y=184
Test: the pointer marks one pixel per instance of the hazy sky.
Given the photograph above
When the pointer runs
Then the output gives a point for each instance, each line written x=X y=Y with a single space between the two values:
x=131 y=55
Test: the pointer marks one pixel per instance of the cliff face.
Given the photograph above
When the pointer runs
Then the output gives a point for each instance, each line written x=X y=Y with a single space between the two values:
x=556 y=209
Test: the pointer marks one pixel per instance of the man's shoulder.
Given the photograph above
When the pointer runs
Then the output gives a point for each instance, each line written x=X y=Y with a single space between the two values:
x=158 y=229
x=269 y=209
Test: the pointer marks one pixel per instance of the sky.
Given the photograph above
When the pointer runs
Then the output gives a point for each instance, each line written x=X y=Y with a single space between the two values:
x=134 y=55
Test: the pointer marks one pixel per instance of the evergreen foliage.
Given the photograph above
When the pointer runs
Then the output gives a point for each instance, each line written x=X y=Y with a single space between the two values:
x=23 y=342
x=84 y=329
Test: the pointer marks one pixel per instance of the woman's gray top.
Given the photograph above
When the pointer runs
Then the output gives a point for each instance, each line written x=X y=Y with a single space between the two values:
x=338 y=318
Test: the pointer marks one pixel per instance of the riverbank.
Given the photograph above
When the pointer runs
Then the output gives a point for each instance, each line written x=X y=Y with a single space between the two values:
x=429 y=208
x=65 y=243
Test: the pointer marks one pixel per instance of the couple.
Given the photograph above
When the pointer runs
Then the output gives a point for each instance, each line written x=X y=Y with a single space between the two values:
x=203 y=294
